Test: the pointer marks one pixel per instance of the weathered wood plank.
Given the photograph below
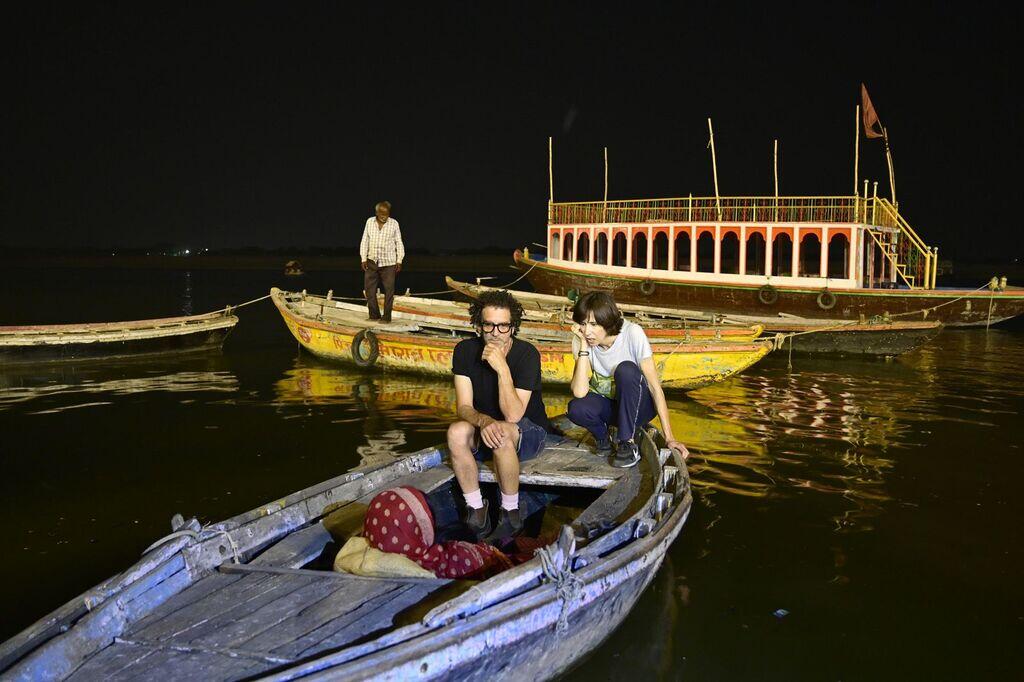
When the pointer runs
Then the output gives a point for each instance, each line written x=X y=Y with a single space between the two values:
x=296 y=549
x=110 y=662
x=194 y=593
x=63 y=654
x=330 y=575
x=235 y=633
x=170 y=665
x=570 y=467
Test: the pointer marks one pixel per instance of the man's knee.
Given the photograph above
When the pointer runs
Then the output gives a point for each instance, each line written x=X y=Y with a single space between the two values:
x=627 y=371
x=580 y=411
x=460 y=436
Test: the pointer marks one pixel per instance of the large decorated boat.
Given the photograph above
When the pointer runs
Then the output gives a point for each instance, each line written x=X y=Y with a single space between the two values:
x=832 y=257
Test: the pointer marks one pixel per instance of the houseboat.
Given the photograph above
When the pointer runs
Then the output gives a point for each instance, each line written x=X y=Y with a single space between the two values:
x=832 y=257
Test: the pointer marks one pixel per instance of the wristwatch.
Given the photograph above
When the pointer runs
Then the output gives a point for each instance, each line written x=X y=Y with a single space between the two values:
x=583 y=353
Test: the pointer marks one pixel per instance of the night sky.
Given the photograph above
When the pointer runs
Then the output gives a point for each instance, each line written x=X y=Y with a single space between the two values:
x=224 y=125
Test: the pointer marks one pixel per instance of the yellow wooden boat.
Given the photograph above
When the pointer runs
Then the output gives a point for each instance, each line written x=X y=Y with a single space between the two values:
x=339 y=331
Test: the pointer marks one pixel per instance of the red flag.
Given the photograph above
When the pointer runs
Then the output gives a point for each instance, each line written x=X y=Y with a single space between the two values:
x=872 y=126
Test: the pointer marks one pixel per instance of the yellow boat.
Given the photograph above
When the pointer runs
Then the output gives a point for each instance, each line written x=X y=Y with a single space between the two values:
x=340 y=331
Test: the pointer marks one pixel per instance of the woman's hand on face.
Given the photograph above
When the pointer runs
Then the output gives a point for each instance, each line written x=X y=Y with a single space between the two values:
x=577 y=331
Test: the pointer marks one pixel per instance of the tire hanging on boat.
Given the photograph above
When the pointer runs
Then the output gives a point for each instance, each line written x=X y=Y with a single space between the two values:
x=647 y=287
x=826 y=300
x=767 y=294
x=373 y=348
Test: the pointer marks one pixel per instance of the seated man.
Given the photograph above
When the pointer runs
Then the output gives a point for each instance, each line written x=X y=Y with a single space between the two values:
x=501 y=415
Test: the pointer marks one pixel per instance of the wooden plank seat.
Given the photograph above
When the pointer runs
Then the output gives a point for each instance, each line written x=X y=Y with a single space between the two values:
x=566 y=462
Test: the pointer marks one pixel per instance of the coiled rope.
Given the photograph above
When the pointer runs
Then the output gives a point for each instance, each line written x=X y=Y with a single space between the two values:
x=567 y=586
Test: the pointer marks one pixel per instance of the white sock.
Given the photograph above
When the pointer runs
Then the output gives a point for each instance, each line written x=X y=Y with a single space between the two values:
x=510 y=502
x=474 y=500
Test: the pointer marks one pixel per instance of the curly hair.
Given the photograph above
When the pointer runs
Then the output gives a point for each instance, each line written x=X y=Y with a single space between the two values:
x=496 y=299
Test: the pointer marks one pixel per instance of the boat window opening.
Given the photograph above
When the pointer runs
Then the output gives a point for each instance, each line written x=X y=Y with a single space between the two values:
x=660 y=251
x=838 y=256
x=810 y=256
x=619 y=250
x=583 y=248
x=683 y=251
x=601 y=248
x=567 y=250
x=730 y=254
x=706 y=253
x=782 y=256
x=640 y=250
x=755 y=254
x=554 y=249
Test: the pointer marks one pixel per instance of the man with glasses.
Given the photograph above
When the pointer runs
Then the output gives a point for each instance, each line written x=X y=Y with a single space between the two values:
x=501 y=414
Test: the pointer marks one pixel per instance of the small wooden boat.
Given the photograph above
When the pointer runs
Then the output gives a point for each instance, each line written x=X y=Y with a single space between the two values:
x=880 y=337
x=340 y=331
x=106 y=340
x=249 y=597
x=293 y=268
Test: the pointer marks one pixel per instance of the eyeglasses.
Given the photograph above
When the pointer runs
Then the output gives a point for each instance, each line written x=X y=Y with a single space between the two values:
x=502 y=327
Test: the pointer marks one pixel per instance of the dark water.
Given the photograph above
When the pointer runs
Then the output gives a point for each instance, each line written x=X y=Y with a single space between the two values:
x=876 y=503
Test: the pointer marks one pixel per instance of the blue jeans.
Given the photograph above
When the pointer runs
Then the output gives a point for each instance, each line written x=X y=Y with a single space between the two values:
x=632 y=408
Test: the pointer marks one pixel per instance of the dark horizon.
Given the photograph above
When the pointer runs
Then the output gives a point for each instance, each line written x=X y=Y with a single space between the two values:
x=252 y=125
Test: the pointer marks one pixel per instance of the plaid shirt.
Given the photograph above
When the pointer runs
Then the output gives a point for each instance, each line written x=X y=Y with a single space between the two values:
x=383 y=245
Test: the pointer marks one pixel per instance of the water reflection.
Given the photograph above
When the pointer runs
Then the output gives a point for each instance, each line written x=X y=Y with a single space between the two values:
x=58 y=388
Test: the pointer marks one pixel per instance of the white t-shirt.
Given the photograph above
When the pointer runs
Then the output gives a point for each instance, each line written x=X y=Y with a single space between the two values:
x=631 y=344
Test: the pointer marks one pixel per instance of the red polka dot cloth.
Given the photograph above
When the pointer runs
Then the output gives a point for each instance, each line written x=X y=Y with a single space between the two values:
x=399 y=520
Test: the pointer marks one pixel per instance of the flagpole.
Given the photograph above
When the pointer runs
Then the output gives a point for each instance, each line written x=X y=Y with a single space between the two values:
x=714 y=169
x=776 y=164
x=888 y=158
x=604 y=210
x=551 y=181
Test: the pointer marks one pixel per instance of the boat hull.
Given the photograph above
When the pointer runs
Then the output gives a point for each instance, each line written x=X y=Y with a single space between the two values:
x=66 y=343
x=681 y=365
x=953 y=307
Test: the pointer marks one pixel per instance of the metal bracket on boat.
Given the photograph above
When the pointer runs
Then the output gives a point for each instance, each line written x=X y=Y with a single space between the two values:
x=643 y=528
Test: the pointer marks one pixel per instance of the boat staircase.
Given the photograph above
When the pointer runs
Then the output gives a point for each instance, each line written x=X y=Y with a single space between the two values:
x=910 y=261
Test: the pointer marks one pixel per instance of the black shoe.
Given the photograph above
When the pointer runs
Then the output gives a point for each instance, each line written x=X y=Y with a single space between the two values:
x=479 y=520
x=604 y=447
x=510 y=524
x=626 y=455
x=386 y=319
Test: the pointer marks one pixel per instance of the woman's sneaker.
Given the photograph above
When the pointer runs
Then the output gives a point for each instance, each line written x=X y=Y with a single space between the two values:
x=627 y=454
x=604 y=447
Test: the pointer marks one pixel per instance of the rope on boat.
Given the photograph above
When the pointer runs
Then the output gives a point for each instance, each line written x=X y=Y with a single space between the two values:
x=198 y=536
x=229 y=308
x=567 y=586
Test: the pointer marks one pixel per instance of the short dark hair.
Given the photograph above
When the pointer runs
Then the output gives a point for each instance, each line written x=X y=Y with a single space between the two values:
x=496 y=299
x=606 y=313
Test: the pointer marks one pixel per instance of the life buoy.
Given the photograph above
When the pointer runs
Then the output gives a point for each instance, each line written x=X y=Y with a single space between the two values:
x=826 y=300
x=647 y=287
x=767 y=294
x=372 y=348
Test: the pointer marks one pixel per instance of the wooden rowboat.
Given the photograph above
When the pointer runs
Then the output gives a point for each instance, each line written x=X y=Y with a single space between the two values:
x=340 y=331
x=881 y=337
x=249 y=597
x=106 y=340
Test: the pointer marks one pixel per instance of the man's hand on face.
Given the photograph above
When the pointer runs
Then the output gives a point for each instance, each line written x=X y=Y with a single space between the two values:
x=494 y=355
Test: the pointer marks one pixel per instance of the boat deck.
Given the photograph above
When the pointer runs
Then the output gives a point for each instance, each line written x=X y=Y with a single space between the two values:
x=250 y=619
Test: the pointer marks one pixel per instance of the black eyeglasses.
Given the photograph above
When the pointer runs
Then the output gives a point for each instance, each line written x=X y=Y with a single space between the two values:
x=502 y=327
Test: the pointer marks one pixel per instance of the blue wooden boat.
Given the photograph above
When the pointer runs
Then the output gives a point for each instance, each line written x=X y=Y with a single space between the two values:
x=248 y=597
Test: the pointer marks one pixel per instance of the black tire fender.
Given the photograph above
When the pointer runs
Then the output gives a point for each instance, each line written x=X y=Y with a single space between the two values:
x=826 y=300
x=369 y=339
x=647 y=287
x=767 y=294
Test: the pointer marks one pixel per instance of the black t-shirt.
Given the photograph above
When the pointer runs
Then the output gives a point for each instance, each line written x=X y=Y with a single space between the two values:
x=523 y=363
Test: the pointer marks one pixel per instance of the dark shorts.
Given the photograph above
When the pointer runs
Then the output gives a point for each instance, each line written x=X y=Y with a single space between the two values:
x=531 y=442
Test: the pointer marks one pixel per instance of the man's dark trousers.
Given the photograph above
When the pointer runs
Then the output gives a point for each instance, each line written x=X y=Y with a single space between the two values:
x=383 y=278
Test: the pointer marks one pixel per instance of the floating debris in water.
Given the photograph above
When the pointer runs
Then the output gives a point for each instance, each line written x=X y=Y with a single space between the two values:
x=780 y=613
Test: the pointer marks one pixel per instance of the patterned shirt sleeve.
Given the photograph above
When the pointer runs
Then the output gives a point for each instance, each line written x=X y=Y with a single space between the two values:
x=364 y=245
x=399 y=246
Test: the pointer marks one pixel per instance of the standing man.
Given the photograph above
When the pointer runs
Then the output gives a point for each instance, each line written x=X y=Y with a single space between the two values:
x=381 y=252
x=501 y=414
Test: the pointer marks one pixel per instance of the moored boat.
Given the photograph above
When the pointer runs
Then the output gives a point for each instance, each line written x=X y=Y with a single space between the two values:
x=827 y=257
x=107 y=340
x=251 y=596
x=880 y=337
x=340 y=331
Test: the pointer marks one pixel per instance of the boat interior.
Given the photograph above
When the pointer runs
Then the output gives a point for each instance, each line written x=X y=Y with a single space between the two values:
x=258 y=593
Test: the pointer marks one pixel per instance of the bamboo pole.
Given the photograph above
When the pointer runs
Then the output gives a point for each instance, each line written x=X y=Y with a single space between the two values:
x=604 y=211
x=551 y=180
x=776 y=164
x=892 y=176
x=714 y=169
x=856 y=156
